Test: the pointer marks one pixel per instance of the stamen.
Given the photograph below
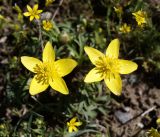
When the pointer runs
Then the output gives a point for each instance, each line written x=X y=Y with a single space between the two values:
x=107 y=67
x=41 y=71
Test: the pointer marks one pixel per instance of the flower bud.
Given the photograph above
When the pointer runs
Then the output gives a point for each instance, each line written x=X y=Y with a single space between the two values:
x=64 y=38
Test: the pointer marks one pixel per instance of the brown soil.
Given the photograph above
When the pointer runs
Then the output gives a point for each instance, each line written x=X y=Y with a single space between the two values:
x=139 y=107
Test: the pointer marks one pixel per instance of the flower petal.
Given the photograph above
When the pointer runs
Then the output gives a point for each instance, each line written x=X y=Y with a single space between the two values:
x=31 y=18
x=113 y=49
x=65 y=66
x=93 y=76
x=39 y=11
x=126 y=66
x=30 y=62
x=48 y=53
x=36 y=87
x=73 y=120
x=35 y=8
x=93 y=54
x=37 y=16
x=158 y=121
x=58 y=84
x=78 y=124
x=44 y=22
x=68 y=123
x=29 y=9
x=75 y=128
x=27 y=14
x=70 y=129
x=114 y=83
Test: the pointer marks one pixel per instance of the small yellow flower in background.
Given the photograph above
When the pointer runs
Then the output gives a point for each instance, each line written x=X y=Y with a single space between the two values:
x=2 y=126
x=140 y=17
x=49 y=2
x=33 y=13
x=108 y=67
x=48 y=72
x=153 y=133
x=158 y=121
x=47 y=25
x=19 y=11
x=125 y=28
x=72 y=125
x=118 y=10
x=2 y=17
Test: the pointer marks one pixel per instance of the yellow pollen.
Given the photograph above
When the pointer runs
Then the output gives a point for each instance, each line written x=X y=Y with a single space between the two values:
x=107 y=67
x=42 y=71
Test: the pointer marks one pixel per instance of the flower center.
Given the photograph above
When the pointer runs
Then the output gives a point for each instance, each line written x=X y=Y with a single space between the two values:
x=140 y=17
x=42 y=73
x=48 y=25
x=72 y=124
x=107 y=67
x=34 y=13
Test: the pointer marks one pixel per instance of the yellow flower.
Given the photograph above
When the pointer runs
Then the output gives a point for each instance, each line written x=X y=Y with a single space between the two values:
x=1 y=17
x=125 y=28
x=2 y=126
x=140 y=17
x=48 y=2
x=48 y=72
x=108 y=67
x=118 y=10
x=153 y=133
x=158 y=121
x=72 y=125
x=33 y=13
x=47 y=25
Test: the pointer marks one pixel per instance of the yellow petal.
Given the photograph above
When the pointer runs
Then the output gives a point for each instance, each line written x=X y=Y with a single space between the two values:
x=93 y=76
x=65 y=66
x=58 y=84
x=93 y=54
x=30 y=62
x=73 y=120
x=126 y=66
x=31 y=18
x=39 y=11
x=134 y=14
x=158 y=121
x=68 y=124
x=48 y=53
x=113 y=49
x=74 y=128
x=70 y=129
x=114 y=83
x=78 y=124
x=37 y=16
x=29 y=9
x=35 y=8
x=27 y=14
x=44 y=22
x=36 y=88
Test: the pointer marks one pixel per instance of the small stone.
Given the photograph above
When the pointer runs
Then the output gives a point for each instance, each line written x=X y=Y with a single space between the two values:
x=4 y=61
x=3 y=39
x=127 y=109
x=140 y=125
x=46 y=15
x=123 y=117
